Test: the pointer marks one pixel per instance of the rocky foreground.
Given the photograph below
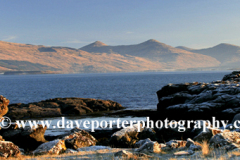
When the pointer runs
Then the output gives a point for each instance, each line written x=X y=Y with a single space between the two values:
x=198 y=101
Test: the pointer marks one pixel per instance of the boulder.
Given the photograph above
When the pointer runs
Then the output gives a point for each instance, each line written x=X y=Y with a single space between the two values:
x=19 y=136
x=126 y=137
x=148 y=133
x=53 y=147
x=141 y=142
x=8 y=149
x=61 y=106
x=152 y=147
x=3 y=106
x=79 y=138
x=123 y=154
x=229 y=139
x=204 y=136
x=176 y=144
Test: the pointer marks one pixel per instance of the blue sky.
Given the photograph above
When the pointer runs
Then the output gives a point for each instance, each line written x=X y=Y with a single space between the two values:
x=75 y=23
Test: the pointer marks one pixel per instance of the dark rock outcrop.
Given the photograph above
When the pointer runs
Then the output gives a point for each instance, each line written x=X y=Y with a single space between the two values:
x=61 y=106
x=193 y=101
x=26 y=138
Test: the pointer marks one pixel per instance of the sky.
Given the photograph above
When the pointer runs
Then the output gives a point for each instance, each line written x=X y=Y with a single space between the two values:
x=76 y=23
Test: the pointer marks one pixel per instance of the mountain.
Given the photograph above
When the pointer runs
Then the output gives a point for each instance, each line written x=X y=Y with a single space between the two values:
x=153 y=50
x=227 y=54
x=151 y=55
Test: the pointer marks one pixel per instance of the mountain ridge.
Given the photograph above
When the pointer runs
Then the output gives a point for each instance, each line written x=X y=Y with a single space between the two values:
x=150 y=55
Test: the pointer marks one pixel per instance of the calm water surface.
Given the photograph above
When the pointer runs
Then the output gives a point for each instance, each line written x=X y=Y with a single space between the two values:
x=132 y=90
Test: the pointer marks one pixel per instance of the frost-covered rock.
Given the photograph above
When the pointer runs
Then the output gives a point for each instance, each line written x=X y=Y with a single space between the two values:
x=79 y=138
x=53 y=147
x=8 y=149
x=126 y=137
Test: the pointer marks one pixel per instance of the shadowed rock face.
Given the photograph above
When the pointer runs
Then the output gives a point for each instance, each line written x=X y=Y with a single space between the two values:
x=26 y=138
x=194 y=101
x=61 y=106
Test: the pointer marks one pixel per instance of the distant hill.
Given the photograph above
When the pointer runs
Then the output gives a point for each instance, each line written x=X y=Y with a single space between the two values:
x=158 y=52
x=151 y=55
x=227 y=54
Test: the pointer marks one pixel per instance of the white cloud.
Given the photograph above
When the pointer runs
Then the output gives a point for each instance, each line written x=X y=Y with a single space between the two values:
x=8 y=38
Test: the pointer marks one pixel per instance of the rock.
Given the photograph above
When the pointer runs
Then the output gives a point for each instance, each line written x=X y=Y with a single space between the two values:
x=8 y=149
x=103 y=135
x=203 y=136
x=196 y=131
x=168 y=133
x=3 y=106
x=53 y=147
x=189 y=142
x=183 y=153
x=19 y=136
x=70 y=151
x=60 y=106
x=123 y=154
x=148 y=133
x=93 y=148
x=234 y=76
x=194 y=147
x=224 y=139
x=79 y=138
x=215 y=131
x=152 y=147
x=235 y=119
x=176 y=143
x=126 y=137
x=141 y=142
x=220 y=99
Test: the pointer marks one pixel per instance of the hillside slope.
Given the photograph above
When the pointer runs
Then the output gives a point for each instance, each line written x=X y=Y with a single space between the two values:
x=98 y=57
x=227 y=54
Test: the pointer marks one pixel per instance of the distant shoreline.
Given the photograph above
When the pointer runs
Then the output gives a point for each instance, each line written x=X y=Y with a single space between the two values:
x=27 y=72
x=54 y=72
